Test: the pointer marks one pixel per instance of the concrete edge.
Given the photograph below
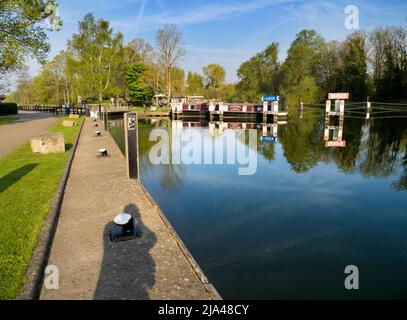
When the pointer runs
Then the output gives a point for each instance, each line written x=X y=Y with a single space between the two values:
x=31 y=289
x=195 y=266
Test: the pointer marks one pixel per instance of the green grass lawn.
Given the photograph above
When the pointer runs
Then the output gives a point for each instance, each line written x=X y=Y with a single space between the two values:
x=28 y=183
x=7 y=120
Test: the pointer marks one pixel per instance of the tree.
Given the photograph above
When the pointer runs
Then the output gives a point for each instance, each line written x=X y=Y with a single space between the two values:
x=142 y=50
x=388 y=59
x=214 y=75
x=178 y=87
x=354 y=72
x=329 y=67
x=259 y=76
x=139 y=90
x=168 y=51
x=195 y=84
x=299 y=69
x=23 y=26
x=95 y=53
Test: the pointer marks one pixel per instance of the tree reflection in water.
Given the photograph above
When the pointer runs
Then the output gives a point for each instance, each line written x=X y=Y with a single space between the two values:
x=374 y=147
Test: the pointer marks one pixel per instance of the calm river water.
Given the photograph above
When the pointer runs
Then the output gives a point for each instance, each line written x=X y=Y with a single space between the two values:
x=289 y=230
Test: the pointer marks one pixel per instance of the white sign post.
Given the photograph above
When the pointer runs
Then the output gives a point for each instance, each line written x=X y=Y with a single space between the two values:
x=338 y=96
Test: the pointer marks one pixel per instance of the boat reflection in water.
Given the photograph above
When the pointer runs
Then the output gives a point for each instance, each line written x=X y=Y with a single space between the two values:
x=311 y=209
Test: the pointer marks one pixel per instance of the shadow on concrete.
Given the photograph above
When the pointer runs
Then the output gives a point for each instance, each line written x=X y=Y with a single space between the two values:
x=8 y=180
x=128 y=270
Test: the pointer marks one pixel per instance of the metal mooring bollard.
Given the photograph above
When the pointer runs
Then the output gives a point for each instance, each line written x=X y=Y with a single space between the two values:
x=124 y=228
x=103 y=152
x=98 y=134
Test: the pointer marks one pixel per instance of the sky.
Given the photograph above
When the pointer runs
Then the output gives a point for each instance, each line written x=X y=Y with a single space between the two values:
x=226 y=32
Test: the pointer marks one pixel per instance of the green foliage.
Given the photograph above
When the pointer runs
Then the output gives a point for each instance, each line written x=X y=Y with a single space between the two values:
x=227 y=93
x=306 y=89
x=299 y=70
x=8 y=108
x=178 y=82
x=94 y=54
x=138 y=89
x=260 y=75
x=195 y=83
x=23 y=27
x=354 y=71
x=214 y=75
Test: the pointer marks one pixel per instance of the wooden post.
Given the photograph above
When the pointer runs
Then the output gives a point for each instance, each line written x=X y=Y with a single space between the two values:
x=131 y=144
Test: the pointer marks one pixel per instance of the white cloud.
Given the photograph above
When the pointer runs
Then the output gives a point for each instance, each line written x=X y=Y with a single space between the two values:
x=204 y=14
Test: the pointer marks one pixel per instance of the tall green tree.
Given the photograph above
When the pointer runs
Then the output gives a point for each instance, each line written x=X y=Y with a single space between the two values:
x=23 y=27
x=139 y=90
x=195 y=83
x=259 y=76
x=299 y=69
x=178 y=87
x=354 y=73
x=388 y=59
x=95 y=53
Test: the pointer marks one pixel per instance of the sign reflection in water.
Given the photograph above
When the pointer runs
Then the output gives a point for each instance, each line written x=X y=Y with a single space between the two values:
x=309 y=211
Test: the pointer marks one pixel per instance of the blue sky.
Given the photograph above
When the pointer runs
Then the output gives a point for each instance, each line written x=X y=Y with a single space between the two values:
x=226 y=32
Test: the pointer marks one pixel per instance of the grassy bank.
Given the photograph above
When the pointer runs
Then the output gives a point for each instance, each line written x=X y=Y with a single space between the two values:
x=7 y=120
x=28 y=183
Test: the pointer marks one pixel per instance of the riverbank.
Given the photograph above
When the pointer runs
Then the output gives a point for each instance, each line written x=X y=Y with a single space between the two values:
x=154 y=266
x=28 y=183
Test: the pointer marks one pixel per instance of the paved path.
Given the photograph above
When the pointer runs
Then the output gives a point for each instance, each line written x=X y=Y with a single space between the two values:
x=90 y=266
x=15 y=134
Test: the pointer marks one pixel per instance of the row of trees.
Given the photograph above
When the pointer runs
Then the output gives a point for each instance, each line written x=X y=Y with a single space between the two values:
x=365 y=64
x=97 y=65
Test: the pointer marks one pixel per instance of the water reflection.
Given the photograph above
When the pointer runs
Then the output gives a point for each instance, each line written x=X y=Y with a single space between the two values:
x=311 y=209
x=374 y=148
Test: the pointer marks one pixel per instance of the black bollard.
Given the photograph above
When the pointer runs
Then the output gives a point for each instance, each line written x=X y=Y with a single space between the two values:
x=103 y=152
x=124 y=228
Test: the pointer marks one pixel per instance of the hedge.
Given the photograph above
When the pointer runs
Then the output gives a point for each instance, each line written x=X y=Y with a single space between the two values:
x=8 y=108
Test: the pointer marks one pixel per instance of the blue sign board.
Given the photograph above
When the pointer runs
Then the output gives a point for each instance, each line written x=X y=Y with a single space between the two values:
x=270 y=98
x=268 y=139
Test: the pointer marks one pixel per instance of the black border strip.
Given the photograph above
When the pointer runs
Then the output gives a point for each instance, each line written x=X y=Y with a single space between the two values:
x=31 y=288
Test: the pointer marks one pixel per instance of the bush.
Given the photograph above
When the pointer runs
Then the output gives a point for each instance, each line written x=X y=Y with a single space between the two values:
x=8 y=108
